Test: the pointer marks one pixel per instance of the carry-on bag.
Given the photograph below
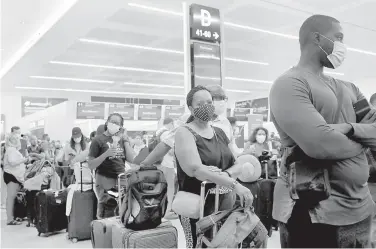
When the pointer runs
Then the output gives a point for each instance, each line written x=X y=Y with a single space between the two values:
x=233 y=228
x=83 y=212
x=50 y=209
x=145 y=201
x=164 y=235
x=101 y=232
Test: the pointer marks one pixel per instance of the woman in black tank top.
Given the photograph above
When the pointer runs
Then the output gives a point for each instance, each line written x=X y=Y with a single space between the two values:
x=203 y=154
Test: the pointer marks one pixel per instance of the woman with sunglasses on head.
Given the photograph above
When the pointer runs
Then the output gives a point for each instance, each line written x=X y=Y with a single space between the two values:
x=203 y=154
x=107 y=156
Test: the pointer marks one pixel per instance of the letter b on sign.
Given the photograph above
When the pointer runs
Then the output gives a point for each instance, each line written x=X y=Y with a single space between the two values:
x=205 y=18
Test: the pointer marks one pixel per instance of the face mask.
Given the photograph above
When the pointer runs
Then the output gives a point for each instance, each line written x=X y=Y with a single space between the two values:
x=113 y=128
x=205 y=112
x=338 y=54
x=260 y=139
x=77 y=140
x=220 y=107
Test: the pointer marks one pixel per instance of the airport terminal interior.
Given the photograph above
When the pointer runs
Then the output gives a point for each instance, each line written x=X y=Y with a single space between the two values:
x=68 y=65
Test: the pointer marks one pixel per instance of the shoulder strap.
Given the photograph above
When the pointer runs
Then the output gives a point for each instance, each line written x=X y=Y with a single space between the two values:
x=339 y=96
x=192 y=131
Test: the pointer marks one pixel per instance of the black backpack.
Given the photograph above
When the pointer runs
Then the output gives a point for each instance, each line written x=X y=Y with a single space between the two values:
x=147 y=187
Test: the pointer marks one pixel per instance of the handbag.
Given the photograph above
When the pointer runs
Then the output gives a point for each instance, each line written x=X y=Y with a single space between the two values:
x=239 y=225
x=186 y=204
x=309 y=177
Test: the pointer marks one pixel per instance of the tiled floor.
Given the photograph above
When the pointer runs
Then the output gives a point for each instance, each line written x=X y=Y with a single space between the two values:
x=26 y=237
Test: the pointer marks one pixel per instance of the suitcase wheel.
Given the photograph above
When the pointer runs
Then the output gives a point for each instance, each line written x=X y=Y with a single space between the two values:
x=39 y=234
x=74 y=240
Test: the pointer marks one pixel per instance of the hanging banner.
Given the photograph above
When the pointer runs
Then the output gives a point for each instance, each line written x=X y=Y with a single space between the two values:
x=174 y=112
x=149 y=112
x=125 y=110
x=90 y=110
x=259 y=106
x=241 y=114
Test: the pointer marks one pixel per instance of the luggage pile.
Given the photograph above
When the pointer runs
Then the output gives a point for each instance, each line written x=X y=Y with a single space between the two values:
x=142 y=204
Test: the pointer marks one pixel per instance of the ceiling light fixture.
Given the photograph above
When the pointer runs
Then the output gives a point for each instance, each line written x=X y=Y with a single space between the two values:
x=230 y=24
x=129 y=46
x=151 y=85
x=47 y=25
x=249 y=80
x=116 y=68
x=98 y=91
x=237 y=91
x=207 y=78
x=334 y=73
x=108 y=43
x=72 y=79
x=155 y=9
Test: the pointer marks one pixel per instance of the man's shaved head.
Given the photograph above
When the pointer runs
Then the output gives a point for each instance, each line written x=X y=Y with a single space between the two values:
x=315 y=24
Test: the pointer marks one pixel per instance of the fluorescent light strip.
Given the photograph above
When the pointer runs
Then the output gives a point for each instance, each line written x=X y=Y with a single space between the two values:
x=237 y=91
x=247 y=61
x=47 y=25
x=93 y=41
x=151 y=85
x=130 y=46
x=155 y=71
x=207 y=78
x=334 y=73
x=116 y=68
x=97 y=91
x=246 y=27
x=249 y=80
x=155 y=9
x=72 y=79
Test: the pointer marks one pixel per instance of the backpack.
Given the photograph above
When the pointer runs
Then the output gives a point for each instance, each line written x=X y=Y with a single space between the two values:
x=371 y=158
x=144 y=201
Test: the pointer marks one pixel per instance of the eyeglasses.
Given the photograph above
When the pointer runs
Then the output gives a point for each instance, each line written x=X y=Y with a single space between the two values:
x=220 y=98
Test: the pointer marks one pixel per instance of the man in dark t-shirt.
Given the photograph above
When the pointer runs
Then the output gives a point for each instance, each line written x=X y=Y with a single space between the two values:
x=107 y=156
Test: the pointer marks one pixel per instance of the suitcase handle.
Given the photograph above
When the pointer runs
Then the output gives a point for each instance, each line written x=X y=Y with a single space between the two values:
x=202 y=202
x=92 y=184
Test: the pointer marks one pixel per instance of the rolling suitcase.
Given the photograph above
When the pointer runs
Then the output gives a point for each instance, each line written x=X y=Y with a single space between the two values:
x=101 y=232
x=83 y=212
x=163 y=236
x=263 y=191
x=50 y=209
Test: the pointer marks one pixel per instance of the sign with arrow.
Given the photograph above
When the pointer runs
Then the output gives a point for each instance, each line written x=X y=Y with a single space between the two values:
x=205 y=23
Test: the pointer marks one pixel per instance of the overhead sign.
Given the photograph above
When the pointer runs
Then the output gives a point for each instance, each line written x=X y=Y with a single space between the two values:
x=149 y=112
x=125 y=110
x=206 y=61
x=259 y=106
x=90 y=110
x=205 y=23
x=174 y=112
x=241 y=114
x=254 y=121
x=31 y=105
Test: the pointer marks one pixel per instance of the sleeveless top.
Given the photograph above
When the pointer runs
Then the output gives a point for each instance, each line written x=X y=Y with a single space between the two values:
x=213 y=152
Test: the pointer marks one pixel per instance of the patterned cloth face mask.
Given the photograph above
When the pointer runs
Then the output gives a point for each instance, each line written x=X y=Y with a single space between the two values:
x=205 y=112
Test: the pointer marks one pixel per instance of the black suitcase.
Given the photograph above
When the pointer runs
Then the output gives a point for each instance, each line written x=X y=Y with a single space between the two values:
x=20 y=207
x=50 y=209
x=83 y=212
x=263 y=191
